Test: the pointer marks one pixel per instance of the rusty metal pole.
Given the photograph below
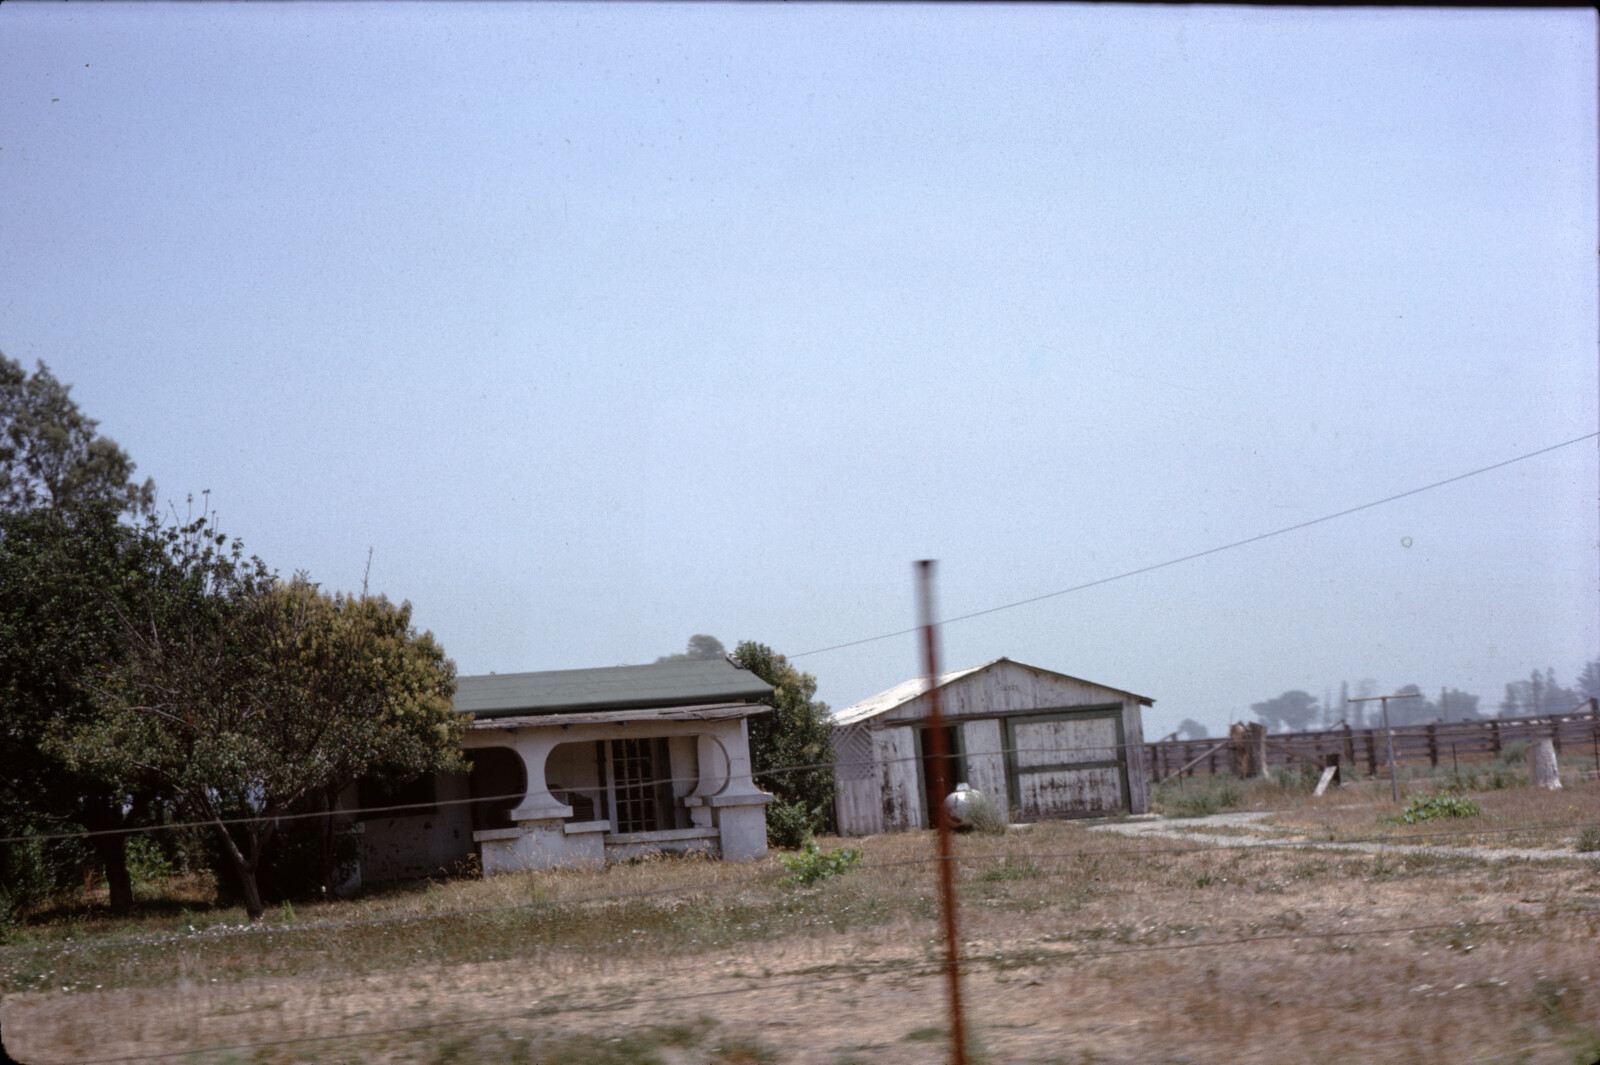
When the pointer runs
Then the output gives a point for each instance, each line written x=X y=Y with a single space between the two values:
x=941 y=788
x=1383 y=701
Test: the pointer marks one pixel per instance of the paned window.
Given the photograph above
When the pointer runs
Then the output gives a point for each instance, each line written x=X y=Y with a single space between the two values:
x=634 y=766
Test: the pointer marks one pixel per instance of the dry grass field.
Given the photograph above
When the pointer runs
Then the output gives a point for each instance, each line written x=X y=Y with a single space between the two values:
x=1080 y=946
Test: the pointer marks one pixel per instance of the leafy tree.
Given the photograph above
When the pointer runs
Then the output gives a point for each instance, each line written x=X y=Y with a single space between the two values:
x=1292 y=711
x=1458 y=705
x=798 y=732
x=50 y=454
x=1418 y=711
x=1190 y=729
x=701 y=648
x=63 y=559
x=244 y=696
x=63 y=574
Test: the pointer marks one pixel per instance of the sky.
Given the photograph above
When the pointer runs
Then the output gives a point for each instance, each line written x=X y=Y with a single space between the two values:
x=596 y=327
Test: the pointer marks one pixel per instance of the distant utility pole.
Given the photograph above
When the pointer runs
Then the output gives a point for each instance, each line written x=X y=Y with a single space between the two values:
x=1388 y=733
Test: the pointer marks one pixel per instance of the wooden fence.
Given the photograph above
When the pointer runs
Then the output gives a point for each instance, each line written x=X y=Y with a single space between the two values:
x=1364 y=751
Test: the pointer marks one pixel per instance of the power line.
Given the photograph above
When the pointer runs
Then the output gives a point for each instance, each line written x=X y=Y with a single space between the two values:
x=1509 y=728
x=852 y=643
x=1213 y=550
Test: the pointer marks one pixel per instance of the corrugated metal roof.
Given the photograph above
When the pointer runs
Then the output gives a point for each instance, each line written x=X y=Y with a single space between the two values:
x=900 y=693
x=615 y=688
x=909 y=690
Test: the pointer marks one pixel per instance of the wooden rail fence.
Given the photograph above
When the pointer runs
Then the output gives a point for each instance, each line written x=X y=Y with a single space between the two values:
x=1361 y=751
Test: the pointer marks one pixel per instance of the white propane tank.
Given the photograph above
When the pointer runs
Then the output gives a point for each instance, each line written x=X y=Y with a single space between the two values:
x=961 y=803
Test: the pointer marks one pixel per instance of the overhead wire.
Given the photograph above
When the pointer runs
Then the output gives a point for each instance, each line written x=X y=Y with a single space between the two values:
x=1510 y=729
x=884 y=636
x=1211 y=550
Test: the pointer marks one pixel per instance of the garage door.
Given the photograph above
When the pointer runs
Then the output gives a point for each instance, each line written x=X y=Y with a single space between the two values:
x=1066 y=763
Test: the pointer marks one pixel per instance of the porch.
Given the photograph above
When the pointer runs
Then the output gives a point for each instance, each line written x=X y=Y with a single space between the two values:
x=576 y=790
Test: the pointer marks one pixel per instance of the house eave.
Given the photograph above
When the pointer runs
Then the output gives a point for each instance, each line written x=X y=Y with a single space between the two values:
x=698 y=712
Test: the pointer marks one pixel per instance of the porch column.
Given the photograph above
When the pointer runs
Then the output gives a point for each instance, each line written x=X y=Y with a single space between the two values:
x=533 y=746
x=740 y=808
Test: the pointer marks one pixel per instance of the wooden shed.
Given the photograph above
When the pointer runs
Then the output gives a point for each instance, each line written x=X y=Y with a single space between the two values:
x=1041 y=743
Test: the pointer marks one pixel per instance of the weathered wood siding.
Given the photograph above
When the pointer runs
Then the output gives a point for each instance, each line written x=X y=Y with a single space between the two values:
x=858 y=781
x=1049 y=774
x=984 y=754
x=1051 y=742
x=995 y=702
x=900 y=795
x=1009 y=688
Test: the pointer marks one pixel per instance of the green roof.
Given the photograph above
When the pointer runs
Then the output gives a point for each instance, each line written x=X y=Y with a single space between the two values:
x=663 y=684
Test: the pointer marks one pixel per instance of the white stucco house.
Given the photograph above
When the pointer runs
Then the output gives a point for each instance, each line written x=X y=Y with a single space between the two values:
x=574 y=768
x=1042 y=744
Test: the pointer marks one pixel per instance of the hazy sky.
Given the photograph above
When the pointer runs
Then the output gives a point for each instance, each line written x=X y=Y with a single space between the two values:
x=606 y=325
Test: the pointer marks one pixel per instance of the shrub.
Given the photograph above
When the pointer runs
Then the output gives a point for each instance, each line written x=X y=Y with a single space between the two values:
x=34 y=871
x=1588 y=839
x=1301 y=777
x=1513 y=753
x=1199 y=796
x=790 y=825
x=146 y=862
x=812 y=865
x=1433 y=807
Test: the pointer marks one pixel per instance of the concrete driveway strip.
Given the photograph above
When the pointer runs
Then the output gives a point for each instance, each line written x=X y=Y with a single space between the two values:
x=1198 y=829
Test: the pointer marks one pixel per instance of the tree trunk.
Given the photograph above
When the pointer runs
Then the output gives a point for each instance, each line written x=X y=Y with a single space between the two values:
x=328 y=800
x=246 y=868
x=104 y=814
x=113 y=854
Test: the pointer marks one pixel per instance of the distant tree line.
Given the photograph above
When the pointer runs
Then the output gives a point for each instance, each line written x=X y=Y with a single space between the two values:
x=1299 y=711
x=151 y=673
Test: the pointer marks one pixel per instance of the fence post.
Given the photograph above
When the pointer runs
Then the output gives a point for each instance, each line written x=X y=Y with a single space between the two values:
x=1494 y=737
x=1433 y=746
x=1542 y=769
x=1349 y=748
x=1372 y=753
x=1594 y=713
